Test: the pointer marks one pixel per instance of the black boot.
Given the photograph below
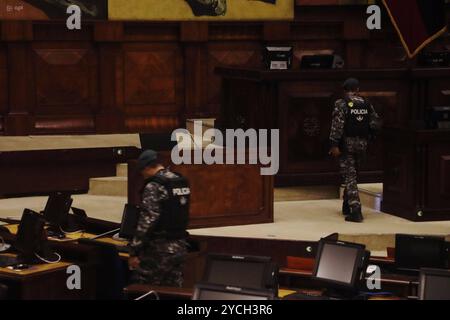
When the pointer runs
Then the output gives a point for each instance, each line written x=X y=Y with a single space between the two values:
x=345 y=208
x=355 y=216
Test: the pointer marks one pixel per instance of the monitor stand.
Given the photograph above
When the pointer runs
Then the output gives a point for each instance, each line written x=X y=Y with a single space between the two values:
x=28 y=259
x=74 y=223
x=55 y=232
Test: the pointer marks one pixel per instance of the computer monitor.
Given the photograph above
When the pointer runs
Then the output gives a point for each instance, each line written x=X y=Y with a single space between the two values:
x=218 y=292
x=278 y=58
x=30 y=234
x=242 y=271
x=340 y=265
x=439 y=117
x=413 y=252
x=434 y=284
x=129 y=222
x=157 y=141
x=317 y=61
x=57 y=208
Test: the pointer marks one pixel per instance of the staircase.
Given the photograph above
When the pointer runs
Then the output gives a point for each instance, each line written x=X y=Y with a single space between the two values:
x=371 y=195
x=306 y=193
x=118 y=185
x=111 y=186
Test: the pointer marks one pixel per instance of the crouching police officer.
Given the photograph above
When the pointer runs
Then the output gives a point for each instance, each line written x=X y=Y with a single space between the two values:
x=159 y=246
x=354 y=123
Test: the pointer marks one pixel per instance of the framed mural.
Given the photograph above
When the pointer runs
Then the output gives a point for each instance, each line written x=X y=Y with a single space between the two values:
x=176 y=10
x=51 y=9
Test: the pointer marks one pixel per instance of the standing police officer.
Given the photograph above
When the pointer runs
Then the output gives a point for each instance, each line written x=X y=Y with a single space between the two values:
x=159 y=246
x=354 y=123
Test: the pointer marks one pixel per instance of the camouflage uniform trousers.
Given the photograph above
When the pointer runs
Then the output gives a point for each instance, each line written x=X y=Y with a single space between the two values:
x=161 y=263
x=353 y=154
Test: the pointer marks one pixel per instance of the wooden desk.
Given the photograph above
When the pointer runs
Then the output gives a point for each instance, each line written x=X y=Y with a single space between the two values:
x=136 y=290
x=13 y=228
x=45 y=282
x=165 y=293
x=56 y=170
x=221 y=195
x=34 y=270
x=83 y=255
x=300 y=103
x=399 y=285
x=73 y=237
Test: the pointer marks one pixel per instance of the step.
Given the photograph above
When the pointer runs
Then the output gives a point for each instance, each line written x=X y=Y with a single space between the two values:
x=109 y=186
x=122 y=170
x=305 y=193
x=371 y=195
x=198 y=137
x=207 y=123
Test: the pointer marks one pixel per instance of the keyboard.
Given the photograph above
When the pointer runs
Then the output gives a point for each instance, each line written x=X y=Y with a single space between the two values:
x=6 y=261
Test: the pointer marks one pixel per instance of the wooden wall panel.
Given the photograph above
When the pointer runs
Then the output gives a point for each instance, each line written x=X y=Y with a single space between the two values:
x=398 y=182
x=228 y=54
x=417 y=173
x=20 y=89
x=151 y=76
x=65 y=87
x=3 y=87
x=151 y=86
x=306 y=109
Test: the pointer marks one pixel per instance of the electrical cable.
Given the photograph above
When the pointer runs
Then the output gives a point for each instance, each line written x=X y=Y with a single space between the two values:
x=49 y=261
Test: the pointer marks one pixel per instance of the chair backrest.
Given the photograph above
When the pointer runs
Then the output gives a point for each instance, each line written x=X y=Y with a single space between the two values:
x=110 y=278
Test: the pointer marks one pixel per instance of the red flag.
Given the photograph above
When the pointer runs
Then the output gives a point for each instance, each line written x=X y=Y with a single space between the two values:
x=418 y=22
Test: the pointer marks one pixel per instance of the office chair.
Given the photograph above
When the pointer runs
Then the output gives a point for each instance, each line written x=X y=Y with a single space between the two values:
x=110 y=280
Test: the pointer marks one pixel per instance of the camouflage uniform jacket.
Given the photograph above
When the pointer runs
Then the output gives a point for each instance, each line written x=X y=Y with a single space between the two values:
x=337 y=133
x=144 y=244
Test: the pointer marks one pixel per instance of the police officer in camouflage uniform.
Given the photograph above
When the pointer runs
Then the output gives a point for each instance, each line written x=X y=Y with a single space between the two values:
x=159 y=246
x=354 y=123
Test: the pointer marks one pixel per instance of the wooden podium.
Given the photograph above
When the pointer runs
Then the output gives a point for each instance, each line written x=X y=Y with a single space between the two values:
x=221 y=194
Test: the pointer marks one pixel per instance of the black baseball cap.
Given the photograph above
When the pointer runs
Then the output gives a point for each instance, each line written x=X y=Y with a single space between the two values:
x=148 y=157
x=351 y=84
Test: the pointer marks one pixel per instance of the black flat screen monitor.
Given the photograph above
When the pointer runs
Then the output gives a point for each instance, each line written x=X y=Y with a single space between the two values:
x=339 y=264
x=434 y=284
x=439 y=117
x=413 y=252
x=57 y=208
x=30 y=233
x=217 y=292
x=129 y=222
x=317 y=62
x=242 y=271
x=278 y=58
